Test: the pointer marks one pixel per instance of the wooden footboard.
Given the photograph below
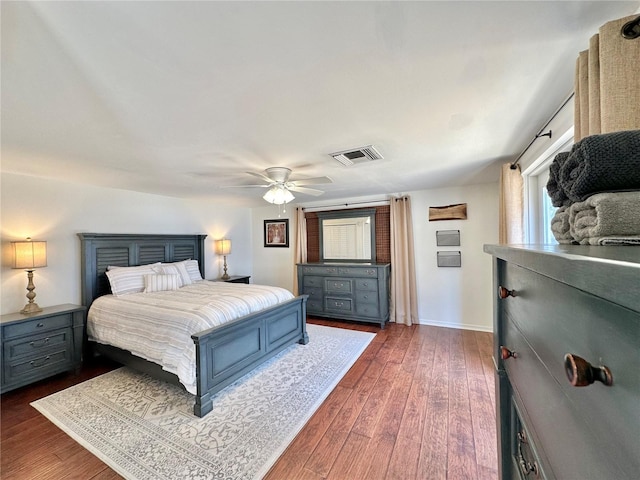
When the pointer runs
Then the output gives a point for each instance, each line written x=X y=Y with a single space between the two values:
x=226 y=353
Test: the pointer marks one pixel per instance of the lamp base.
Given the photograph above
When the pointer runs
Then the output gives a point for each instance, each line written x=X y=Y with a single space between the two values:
x=225 y=276
x=30 y=308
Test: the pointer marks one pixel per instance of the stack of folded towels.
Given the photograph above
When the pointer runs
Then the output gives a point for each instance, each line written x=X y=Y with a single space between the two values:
x=597 y=189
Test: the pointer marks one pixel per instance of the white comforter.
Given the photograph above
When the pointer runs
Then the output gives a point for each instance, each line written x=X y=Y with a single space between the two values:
x=158 y=326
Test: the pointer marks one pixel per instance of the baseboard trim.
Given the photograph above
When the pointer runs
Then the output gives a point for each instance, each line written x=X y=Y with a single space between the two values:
x=435 y=323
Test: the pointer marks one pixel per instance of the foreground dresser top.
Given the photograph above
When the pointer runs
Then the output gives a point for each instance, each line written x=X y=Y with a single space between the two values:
x=609 y=272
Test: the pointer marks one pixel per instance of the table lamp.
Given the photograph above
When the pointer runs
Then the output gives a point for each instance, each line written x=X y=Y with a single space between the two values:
x=223 y=247
x=29 y=255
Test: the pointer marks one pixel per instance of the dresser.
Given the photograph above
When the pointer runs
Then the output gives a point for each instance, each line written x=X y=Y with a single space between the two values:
x=40 y=345
x=347 y=291
x=567 y=361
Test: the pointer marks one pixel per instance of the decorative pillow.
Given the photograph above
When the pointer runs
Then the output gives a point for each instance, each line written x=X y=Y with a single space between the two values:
x=177 y=268
x=159 y=282
x=126 y=280
x=194 y=271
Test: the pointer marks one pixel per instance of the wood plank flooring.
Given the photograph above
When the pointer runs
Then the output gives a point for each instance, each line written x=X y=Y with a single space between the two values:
x=418 y=404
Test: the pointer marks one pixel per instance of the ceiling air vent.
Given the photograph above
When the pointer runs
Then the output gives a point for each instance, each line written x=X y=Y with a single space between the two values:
x=357 y=155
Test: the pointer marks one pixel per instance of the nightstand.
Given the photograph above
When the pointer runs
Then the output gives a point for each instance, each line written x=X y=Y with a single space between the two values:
x=40 y=345
x=235 y=279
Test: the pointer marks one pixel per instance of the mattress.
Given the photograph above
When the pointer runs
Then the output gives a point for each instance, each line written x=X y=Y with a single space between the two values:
x=158 y=326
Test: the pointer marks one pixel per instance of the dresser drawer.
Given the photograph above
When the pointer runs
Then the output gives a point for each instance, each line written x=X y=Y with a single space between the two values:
x=319 y=270
x=312 y=281
x=358 y=272
x=315 y=305
x=338 y=285
x=368 y=285
x=37 y=325
x=338 y=304
x=40 y=366
x=367 y=309
x=573 y=445
x=366 y=297
x=37 y=344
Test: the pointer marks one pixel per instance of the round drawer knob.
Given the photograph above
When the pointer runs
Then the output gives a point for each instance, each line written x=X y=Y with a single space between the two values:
x=581 y=373
x=505 y=353
x=504 y=292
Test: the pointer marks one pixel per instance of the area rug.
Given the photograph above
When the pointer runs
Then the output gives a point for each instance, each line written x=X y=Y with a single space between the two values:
x=145 y=429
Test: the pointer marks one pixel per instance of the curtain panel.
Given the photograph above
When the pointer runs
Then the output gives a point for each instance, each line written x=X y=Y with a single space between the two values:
x=403 y=305
x=300 y=246
x=607 y=83
x=511 y=225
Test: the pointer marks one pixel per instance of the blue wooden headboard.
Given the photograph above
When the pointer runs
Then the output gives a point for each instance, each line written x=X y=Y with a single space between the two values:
x=99 y=250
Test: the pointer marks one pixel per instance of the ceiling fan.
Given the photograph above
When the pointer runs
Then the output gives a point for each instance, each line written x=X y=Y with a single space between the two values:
x=280 y=187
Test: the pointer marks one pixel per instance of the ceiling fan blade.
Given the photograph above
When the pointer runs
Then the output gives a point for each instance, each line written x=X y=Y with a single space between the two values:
x=245 y=186
x=262 y=176
x=308 y=191
x=311 y=181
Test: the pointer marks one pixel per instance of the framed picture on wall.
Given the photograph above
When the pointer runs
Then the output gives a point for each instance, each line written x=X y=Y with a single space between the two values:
x=276 y=233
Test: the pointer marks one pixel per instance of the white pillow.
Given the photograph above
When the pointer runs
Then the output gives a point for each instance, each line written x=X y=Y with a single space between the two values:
x=126 y=280
x=194 y=271
x=177 y=268
x=159 y=282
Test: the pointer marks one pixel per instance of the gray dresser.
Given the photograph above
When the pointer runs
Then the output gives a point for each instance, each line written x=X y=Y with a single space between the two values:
x=567 y=358
x=347 y=291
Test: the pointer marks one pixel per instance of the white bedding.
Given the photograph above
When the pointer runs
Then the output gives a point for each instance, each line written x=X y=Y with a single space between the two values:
x=158 y=326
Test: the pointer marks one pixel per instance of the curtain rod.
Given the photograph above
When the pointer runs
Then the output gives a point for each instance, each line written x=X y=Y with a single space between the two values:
x=540 y=134
x=347 y=204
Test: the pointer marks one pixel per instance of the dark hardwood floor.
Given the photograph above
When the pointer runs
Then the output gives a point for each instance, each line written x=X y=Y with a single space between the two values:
x=418 y=404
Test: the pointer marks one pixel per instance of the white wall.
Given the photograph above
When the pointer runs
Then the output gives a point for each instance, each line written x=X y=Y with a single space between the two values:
x=56 y=211
x=273 y=265
x=448 y=296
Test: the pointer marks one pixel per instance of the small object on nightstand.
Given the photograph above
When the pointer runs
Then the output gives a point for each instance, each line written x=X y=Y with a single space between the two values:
x=40 y=345
x=234 y=279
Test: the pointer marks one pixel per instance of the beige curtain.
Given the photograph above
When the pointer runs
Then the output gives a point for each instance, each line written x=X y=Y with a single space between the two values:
x=300 y=248
x=404 y=305
x=511 y=205
x=607 y=83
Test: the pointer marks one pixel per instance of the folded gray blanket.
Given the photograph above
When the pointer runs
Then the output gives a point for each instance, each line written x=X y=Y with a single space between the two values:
x=628 y=240
x=555 y=190
x=601 y=163
x=605 y=215
x=560 y=226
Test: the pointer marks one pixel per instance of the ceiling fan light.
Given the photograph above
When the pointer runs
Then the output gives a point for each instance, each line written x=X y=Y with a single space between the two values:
x=278 y=195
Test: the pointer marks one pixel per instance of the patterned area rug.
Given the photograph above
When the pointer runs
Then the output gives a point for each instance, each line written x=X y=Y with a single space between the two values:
x=145 y=429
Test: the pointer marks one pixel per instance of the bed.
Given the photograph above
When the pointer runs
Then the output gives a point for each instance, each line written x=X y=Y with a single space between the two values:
x=223 y=353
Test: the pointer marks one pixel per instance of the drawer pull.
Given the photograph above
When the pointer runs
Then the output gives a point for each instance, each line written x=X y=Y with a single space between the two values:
x=33 y=363
x=505 y=292
x=39 y=343
x=526 y=467
x=505 y=353
x=40 y=325
x=581 y=373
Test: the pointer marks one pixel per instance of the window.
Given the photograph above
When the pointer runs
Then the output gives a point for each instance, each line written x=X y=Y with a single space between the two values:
x=537 y=204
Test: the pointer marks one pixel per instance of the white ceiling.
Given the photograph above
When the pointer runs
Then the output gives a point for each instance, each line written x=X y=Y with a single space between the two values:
x=182 y=98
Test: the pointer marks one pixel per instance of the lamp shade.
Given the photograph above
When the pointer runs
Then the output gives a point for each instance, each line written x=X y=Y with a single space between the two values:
x=29 y=254
x=278 y=195
x=223 y=246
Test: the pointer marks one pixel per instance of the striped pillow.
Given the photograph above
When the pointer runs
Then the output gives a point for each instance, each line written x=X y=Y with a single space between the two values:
x=194 y=271
x=177 y=268
x=160 y=282
x=126 y=280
